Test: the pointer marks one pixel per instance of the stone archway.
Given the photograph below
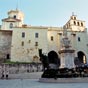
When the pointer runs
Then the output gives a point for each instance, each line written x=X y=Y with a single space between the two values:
x=81 y=58
x=54 y=58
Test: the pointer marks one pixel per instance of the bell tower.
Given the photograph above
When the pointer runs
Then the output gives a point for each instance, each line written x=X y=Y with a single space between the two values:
x=16 y=14
x=15 y=19
x=75 y=24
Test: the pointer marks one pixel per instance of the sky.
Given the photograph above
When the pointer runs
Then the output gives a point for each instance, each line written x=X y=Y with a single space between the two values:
x=46 y=12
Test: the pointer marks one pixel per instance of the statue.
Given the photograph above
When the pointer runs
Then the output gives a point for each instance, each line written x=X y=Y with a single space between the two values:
x=65 y=32
x=44 y=60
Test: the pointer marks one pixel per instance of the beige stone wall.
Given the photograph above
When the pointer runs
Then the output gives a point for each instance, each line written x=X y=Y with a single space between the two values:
x=53 y=44
x=28 y=51
x=6 y=25
x=81 y=45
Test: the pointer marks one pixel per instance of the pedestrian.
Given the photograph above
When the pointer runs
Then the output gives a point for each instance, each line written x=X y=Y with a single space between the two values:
x=2 y=77
x=7 y=72
x=2 y=72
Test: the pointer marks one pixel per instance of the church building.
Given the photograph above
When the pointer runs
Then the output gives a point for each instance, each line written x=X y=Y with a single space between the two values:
x=20 y=42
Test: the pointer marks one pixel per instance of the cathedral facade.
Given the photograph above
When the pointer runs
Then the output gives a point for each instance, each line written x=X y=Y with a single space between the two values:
x=22 y=43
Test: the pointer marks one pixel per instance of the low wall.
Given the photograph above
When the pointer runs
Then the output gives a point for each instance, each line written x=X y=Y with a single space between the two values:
x=19 y=68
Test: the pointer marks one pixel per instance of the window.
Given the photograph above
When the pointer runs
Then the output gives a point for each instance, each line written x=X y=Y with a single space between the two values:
x=36 y=35
x=52 y=38
x=81 y=24
x=74 y=18
x=14 y=16
x=23 y=34
x=11 y=25
x=78 y=23
x=8 y=56
x=22 y=43
x=74 y=23
x=60 y=33
x=36 y=43
x=79 y=39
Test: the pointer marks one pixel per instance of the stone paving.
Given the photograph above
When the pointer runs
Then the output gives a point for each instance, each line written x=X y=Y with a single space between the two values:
x=33 y=75
x=34 y=83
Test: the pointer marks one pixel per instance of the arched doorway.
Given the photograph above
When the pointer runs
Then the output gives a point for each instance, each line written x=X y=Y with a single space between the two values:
x=8 y=56
x=54 y=58
x=81 y=58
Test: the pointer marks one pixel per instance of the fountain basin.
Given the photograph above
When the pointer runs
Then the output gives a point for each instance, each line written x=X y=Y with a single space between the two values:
x=64 y=80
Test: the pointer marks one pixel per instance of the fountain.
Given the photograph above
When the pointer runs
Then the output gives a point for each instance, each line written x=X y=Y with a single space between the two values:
x=67 y=71
x=66 y=52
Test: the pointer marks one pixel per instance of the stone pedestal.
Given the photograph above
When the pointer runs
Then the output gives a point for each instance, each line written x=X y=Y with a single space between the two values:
x=67 y=58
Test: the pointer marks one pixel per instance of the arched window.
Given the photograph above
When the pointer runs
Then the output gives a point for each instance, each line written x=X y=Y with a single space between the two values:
x=74 y=18
x=74 y=23
x=11 y=25
x=14 y=16
x=81 y=24
x=78 y=23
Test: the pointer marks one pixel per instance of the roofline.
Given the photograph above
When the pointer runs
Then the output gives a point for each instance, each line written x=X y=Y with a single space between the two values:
x=13 y=11
x=39 y=27
x=6 y=19
x=6 y=30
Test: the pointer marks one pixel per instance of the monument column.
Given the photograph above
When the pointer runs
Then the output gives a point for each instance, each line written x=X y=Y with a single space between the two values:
x=67 y=53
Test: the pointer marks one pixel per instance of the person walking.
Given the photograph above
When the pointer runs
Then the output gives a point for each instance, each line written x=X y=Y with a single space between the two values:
x=2 y=72
x=7 y=72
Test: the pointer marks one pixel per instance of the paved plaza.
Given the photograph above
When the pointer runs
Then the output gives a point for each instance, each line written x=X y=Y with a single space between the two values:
x=33 y=75
x=34 y=83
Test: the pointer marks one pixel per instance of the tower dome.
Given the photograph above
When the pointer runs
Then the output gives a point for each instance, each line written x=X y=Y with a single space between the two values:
x=16 y=14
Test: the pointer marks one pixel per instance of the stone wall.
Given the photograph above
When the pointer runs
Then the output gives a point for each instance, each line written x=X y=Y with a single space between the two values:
x=24 y=49
x=5 y=44
x=20 y=68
